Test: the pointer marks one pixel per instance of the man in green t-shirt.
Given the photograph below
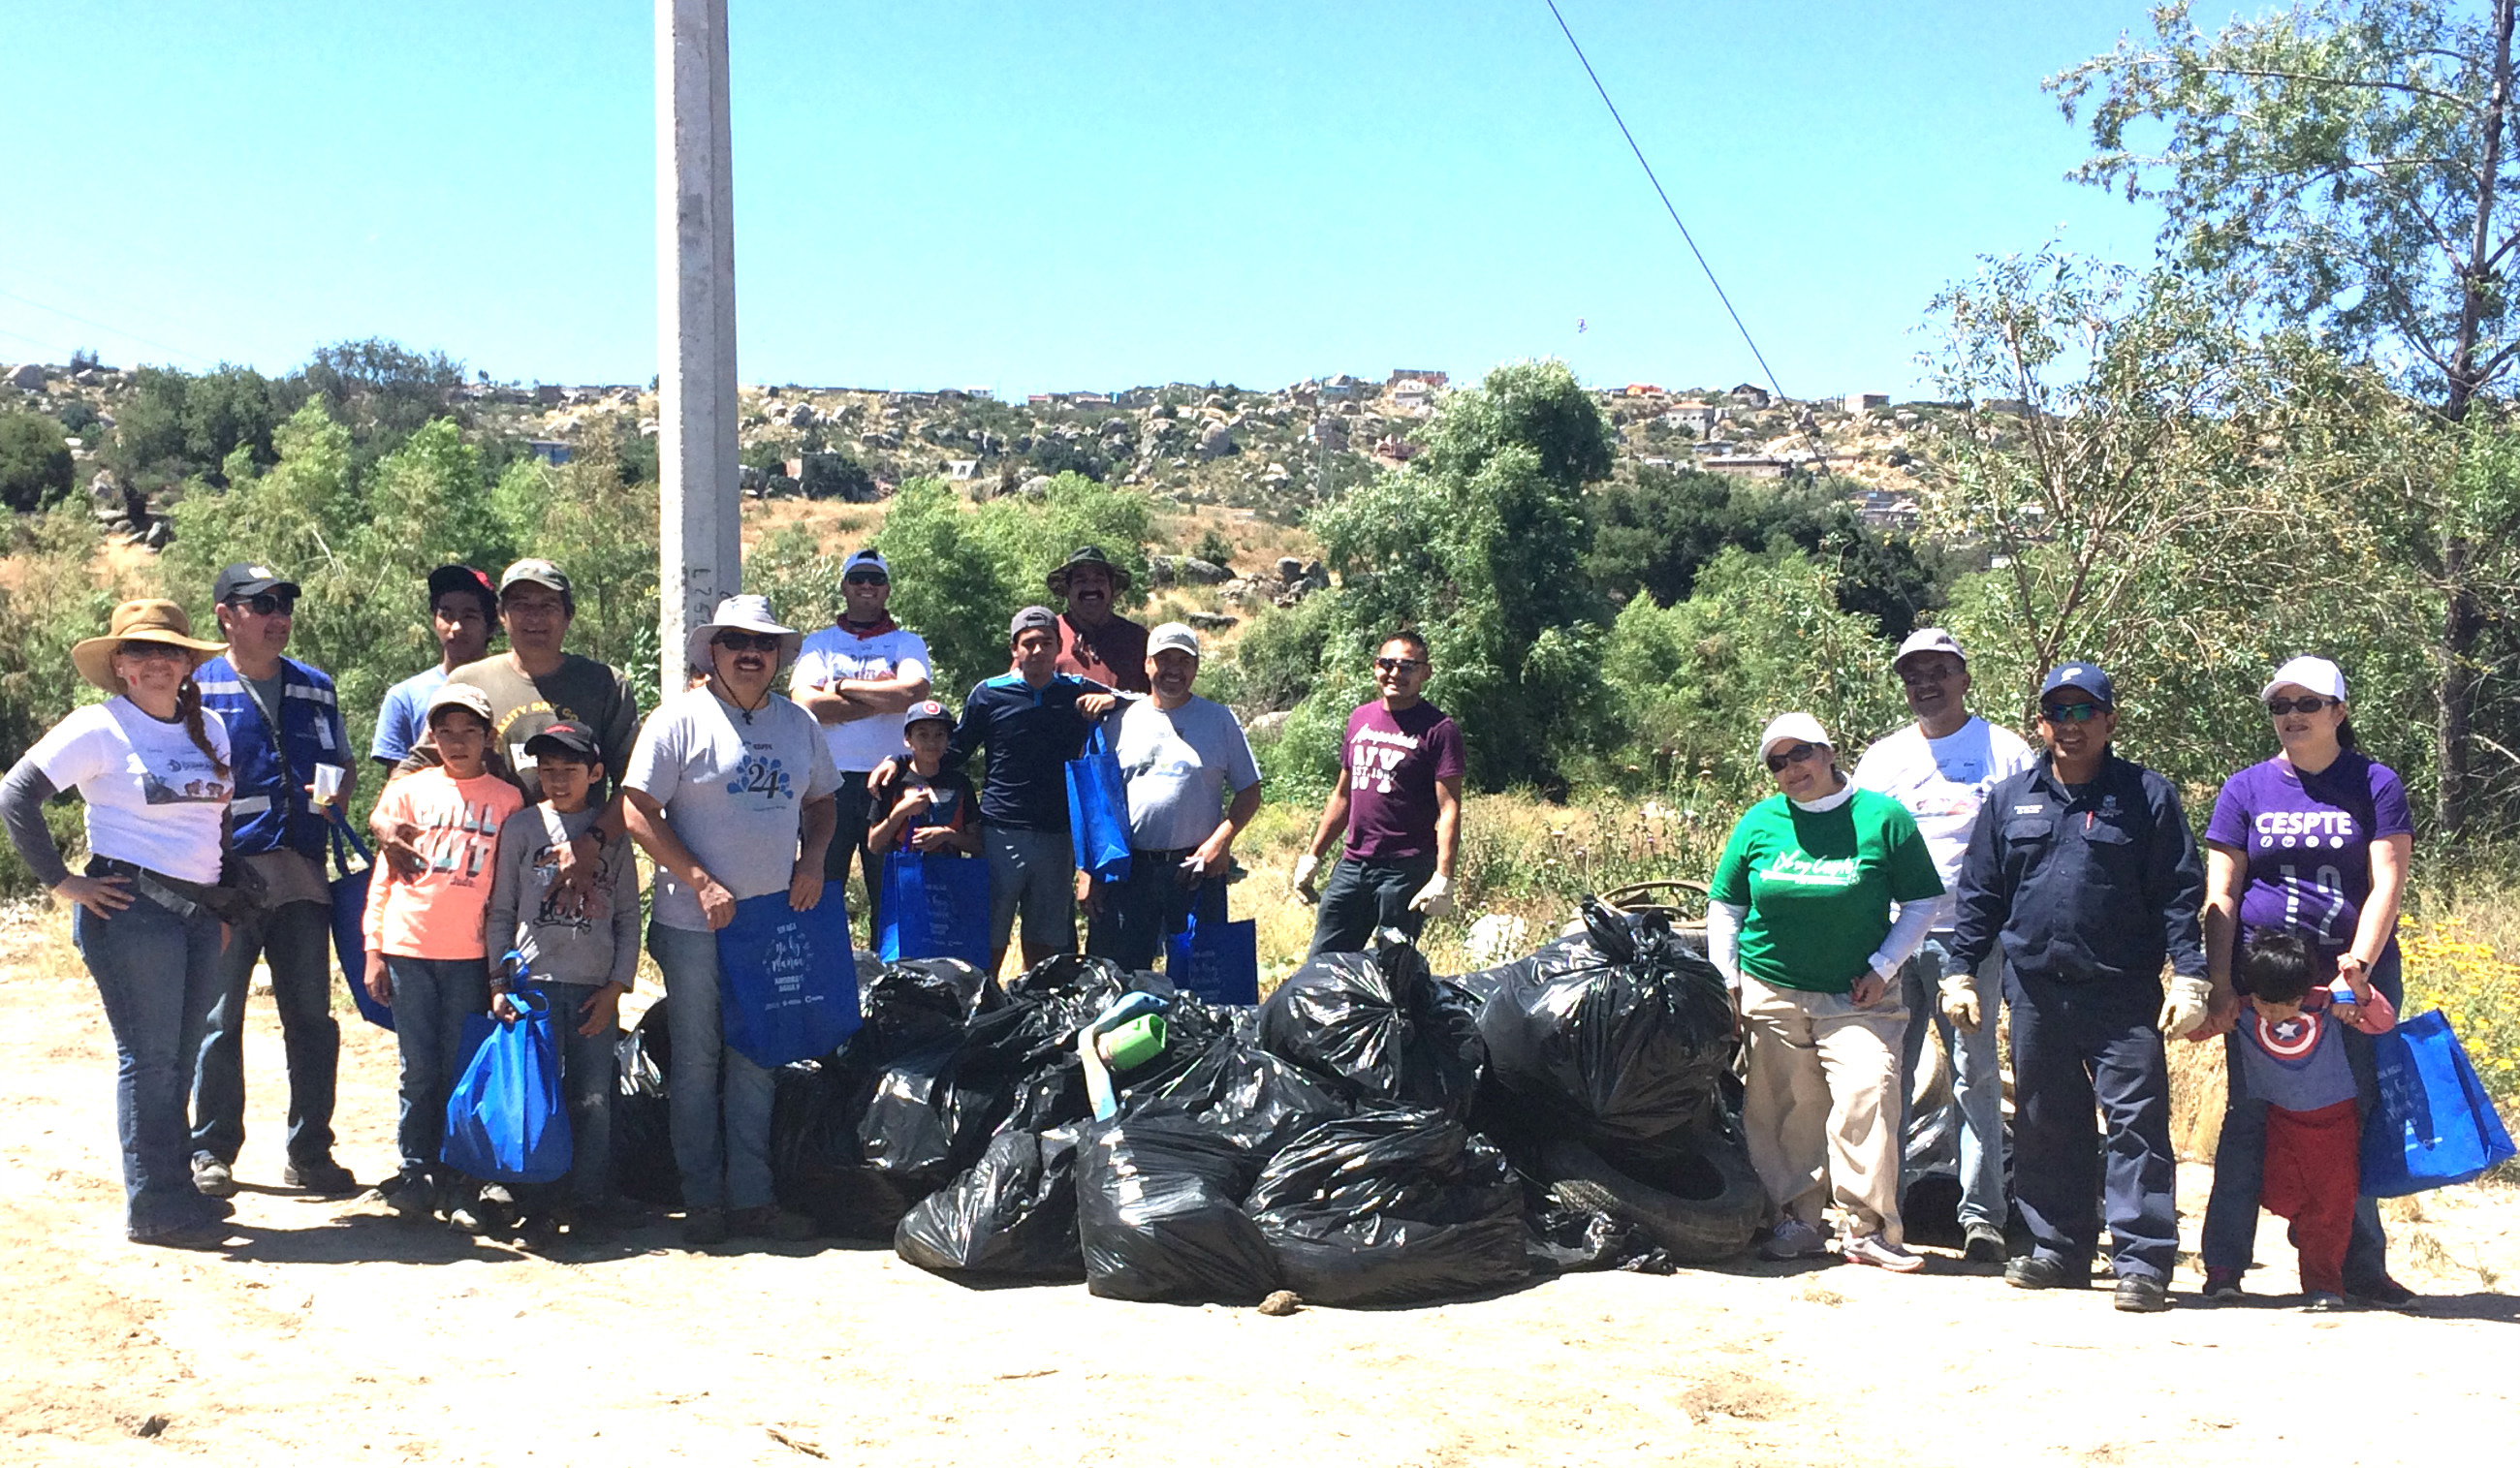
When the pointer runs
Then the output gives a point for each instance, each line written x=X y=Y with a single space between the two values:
x=1798 y=921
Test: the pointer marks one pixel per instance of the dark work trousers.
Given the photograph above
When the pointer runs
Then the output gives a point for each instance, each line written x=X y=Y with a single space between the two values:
x=2240 y=1159
x=296 y=941
x=1361 y=895
x=849 y=844
x=2073 y=1045
x=1143 y=909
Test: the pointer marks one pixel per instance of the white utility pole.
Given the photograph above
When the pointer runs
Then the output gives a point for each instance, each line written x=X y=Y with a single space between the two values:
x=701 y=548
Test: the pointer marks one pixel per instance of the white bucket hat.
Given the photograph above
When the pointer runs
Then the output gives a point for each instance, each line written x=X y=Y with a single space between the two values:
x=744 y=613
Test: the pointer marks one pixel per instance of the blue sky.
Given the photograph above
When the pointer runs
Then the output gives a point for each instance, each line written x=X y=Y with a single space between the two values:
x=1033 y=197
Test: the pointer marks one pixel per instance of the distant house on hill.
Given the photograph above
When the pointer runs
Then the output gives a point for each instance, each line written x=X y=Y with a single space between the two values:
x=1037 y=400
x=551 y=451
x=1646 y=390
x=1412 y=395
x=2014 y=406
x=1342 y=389
x=1695 y=417
x=1866 y=402
x=1747 y=466
x=1427 y=376
x=1750 y=393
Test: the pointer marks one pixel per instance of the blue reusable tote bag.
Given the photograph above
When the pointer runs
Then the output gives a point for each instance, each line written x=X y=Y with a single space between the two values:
x=934 y=907
x=1217 y=960
x=506 y=1121
x=2433 y=1125
x=787 y=981
x=1097 y=811
x=349 y=916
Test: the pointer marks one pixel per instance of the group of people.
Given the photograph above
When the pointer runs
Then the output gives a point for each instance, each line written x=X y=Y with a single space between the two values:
x=1951 y=873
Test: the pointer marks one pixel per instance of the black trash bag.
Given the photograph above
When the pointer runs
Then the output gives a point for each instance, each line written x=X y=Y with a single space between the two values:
x=1561 y=1236
x=1390 y=1207
x=1380 y=1027
x=925 y=1002
x=1158 y=1215
x=1620 y=1037
x=1240 y=1093
x=1011 y=1216
x=643 y=1131
x=817 y=1166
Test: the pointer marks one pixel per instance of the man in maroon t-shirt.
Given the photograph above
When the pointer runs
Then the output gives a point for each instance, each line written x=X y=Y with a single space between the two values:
x=1095 y=643
x=1399 y=799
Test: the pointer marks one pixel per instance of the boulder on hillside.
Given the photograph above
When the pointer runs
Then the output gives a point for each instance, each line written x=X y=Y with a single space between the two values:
x=1197 y=572
x=802 y=416
x=1289 y=568
x=1211 y=621
x=26 y=377
x=1216 y=441
x=1035 y=487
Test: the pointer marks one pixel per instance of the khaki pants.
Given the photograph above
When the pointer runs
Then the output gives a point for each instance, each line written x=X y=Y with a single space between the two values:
x=1820 y=1106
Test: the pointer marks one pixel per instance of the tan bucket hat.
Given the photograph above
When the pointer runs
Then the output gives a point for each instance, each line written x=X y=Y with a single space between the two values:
x=147 y=620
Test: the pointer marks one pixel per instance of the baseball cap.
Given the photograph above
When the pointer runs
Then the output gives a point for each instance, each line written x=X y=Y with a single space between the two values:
x=1172 y=637
x=459 y=695
x=1929 y=640
x=926 y=711
x=567 y=737
x=865 y=560
x=533 y=572
x=2316 y=673
x=1790 y=730
x=459 y=578
x=2087 y=676
x=1030 y=618
x=247 y=578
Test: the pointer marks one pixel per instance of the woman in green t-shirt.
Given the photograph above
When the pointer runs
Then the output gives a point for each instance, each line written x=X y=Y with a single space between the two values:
x=1799 y=921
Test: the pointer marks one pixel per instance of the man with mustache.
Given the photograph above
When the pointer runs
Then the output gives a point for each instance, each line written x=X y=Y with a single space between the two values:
x=1095 y=643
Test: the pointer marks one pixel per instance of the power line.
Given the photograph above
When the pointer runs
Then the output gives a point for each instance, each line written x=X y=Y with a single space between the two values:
x=102 y=327
x=1737 y=322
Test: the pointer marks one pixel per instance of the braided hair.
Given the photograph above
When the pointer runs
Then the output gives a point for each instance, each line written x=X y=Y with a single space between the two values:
x=187 y=707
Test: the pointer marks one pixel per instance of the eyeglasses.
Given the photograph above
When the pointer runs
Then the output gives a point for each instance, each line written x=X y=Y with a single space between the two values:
x=1800 y=752
x=2310 y=706
x=865 y=578
x=153 y=651
x=1397 y=664
x=1921 y=676
x=2070 y=713
x=748 y=642
x=265 y=603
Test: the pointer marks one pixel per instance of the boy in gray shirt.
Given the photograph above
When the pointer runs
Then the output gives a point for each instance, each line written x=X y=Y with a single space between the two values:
x=582 y=960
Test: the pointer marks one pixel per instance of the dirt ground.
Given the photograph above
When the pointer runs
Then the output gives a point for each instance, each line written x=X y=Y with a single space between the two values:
x=329 y=1334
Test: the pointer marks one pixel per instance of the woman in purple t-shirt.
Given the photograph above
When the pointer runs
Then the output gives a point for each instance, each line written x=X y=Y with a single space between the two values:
x=2316 y=840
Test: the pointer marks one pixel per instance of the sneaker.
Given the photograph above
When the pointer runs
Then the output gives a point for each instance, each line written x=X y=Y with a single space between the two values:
x=1984 y=1245
x=2222 y=1286
x=2386 y=1294
x=2038 y=1272
x=2321 y=1302
x=213 y=1178
x=2139 y=1296
x=409 y=1195
x=770 y=1221
x=703 y=1227
x=1872 y=1249
x=1793 y=1239
x=209 y=1233
x=320 y=1176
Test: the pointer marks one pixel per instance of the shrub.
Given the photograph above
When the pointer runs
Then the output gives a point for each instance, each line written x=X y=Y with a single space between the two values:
x=35 y=461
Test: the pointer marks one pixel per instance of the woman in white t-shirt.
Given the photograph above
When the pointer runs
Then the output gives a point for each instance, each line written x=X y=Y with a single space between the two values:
x=153 y=767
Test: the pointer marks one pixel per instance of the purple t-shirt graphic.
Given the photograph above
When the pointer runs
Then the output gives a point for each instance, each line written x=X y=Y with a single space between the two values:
x=1392 y=762
x=2307 y=842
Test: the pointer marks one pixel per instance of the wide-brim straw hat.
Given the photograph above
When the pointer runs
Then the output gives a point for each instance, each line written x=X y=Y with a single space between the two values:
x=147 y=620
x=745 y=613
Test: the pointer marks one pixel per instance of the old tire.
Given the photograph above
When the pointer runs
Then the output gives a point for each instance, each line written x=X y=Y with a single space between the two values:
x=1702 y=1211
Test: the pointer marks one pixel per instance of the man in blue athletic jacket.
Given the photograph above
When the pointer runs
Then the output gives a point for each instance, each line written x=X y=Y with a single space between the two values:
x=2083 y=870
x=282 y=727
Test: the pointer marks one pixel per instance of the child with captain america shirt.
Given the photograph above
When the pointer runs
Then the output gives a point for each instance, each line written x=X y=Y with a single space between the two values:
x=2291 y=1047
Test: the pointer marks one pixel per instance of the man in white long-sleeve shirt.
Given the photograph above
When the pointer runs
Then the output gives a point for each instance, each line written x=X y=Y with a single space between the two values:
x=1940 y=767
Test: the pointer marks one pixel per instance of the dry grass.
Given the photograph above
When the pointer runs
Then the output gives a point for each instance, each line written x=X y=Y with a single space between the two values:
x=835 y=526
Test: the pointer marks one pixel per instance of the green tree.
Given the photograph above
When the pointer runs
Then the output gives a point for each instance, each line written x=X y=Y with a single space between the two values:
x=2347 y=165
x=35 y=461
x=951 y=588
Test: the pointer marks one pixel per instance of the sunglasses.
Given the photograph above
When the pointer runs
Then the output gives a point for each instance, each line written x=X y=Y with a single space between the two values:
x=266 y=604
x=2310 y=706
x=1800 y=752
x=1397 y=664
x=2070 y=713
x=748 y=642
x=1923 y=677
x=153 y=651
x=865 y=578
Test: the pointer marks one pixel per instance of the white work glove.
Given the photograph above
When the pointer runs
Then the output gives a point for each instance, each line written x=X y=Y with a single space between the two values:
x=1305 y=866
x=2183 y=1008
x=1435 y=899
x=1959 y=1001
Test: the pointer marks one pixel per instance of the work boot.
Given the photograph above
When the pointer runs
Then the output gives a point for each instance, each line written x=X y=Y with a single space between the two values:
x=1984 y=1245
x=2138 y=1295
x=2037 y=1272
x=320 y=1176
x=213 y=1178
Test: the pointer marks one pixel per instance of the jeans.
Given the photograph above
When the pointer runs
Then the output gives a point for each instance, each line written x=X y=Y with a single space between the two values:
x=719 y=1102
x=849 y=844
x=431 y=999
x=1142 y=913
x=1977 y=1076
x=586 y=1085
x=1362 y=896
x=2240 y=1160
x=2074 y=1044
x=297 y=941
x=158 y=975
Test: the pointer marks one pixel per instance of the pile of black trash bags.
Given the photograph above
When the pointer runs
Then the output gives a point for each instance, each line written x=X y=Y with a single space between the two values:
x=1371 y=1134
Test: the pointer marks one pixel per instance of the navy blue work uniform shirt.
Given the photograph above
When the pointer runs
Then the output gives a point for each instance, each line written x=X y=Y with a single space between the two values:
x=1028 y=735
x=2093 y=883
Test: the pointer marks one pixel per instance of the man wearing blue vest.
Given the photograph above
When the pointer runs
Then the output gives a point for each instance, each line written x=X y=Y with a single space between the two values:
x=288 y=744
